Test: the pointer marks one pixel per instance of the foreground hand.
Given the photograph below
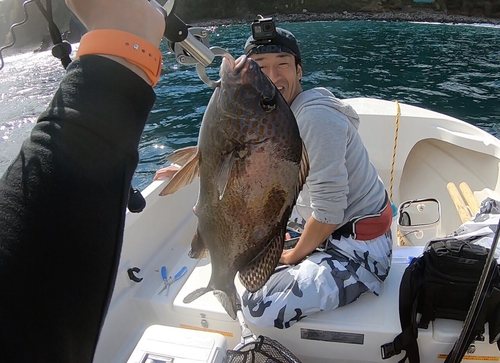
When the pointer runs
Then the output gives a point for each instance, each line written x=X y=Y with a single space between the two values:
x=134 y=16
x=167 y=172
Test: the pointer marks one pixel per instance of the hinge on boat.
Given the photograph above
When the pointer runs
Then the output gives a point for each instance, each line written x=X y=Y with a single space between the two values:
x=204 y=322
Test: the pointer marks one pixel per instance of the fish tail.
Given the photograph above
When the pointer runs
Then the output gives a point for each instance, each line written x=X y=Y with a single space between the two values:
x=230 y=302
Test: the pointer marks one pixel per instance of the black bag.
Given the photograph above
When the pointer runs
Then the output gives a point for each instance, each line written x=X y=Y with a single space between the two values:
x=441 y=284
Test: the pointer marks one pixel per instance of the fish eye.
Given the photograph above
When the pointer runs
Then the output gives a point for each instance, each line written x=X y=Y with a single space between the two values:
x=268 y=104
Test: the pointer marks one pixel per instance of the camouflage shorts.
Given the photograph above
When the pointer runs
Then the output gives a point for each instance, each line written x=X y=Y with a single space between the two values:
x=327 y=279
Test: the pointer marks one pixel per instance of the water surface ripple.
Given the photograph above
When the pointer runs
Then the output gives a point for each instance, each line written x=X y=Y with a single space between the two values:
x=453 y=69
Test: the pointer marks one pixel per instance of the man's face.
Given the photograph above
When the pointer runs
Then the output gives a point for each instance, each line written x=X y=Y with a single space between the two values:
x=282 y=71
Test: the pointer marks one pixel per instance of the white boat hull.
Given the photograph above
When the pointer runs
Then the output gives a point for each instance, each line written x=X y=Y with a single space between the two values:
x=432 y=151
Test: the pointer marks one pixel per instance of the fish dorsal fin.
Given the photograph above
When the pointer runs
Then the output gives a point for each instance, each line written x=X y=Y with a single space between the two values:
x=182 y=156
x=304 y=169
x=254 y=275
x=198 y=248
x=224 y=172
x=183 y=177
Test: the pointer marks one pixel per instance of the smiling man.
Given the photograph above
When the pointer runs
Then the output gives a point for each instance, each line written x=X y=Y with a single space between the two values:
x=344 y=203
x=280 y=63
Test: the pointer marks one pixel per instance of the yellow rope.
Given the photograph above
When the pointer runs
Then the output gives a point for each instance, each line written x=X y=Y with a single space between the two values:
x=395 y=147
x=398 y=113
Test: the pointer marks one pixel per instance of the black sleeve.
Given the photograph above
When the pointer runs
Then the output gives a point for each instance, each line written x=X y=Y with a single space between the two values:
x=62 y=212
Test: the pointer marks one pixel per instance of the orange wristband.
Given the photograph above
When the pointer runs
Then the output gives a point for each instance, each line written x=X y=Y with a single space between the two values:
x=134 y=49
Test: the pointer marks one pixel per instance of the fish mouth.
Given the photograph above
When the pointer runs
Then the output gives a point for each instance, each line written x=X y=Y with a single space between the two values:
x=240 y=64
x=235 y=69
x=229 y=64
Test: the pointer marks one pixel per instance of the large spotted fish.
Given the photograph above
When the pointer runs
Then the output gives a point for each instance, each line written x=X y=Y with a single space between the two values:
x=252 y=165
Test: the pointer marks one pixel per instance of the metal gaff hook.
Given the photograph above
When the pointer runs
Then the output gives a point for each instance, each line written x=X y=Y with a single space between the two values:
x=202 y=71
x=190 y=45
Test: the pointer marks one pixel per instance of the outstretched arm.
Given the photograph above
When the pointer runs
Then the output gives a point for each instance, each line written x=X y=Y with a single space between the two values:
x=63 y=199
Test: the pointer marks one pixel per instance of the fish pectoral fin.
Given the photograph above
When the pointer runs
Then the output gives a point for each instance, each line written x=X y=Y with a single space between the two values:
x=198 y=249
x=304 y=169
x=196 y=294
x=182 y=156
x=224 y=172
x=229 y=302
x=183 y=177
x=256 y=273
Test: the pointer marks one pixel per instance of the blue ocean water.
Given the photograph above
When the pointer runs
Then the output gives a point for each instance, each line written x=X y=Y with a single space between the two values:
x=453 y=69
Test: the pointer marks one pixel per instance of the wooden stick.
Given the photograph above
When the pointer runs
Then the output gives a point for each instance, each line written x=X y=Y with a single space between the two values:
x=457 y=199
x=469 y=197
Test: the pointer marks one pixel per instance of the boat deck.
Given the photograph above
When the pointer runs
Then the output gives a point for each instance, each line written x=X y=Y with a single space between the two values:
x=433 y=151
x=356 y=330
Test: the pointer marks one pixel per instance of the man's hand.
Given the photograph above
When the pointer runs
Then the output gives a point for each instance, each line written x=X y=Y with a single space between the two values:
x=315 y=233
x=288 y=257
x=138 y=17
x=134 y=16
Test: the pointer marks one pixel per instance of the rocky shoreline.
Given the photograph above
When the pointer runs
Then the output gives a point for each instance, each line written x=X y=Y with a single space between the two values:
x=407 y=14
x=395 y=16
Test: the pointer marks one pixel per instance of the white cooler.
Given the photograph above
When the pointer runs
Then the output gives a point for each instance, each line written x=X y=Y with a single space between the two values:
x=165 y=344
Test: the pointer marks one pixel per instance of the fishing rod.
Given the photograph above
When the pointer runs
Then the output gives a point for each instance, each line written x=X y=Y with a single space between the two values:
x=462 y=344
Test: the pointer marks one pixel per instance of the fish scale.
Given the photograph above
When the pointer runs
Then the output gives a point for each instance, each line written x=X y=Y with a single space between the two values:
x=252 y=164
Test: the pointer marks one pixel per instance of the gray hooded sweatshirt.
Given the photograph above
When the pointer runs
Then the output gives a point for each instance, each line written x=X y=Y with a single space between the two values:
x=342 y=182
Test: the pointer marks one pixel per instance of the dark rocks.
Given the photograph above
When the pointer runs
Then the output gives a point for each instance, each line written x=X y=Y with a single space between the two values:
x=411 y=15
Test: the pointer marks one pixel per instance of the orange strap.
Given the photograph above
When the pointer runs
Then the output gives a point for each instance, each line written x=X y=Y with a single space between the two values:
x=134 y=49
